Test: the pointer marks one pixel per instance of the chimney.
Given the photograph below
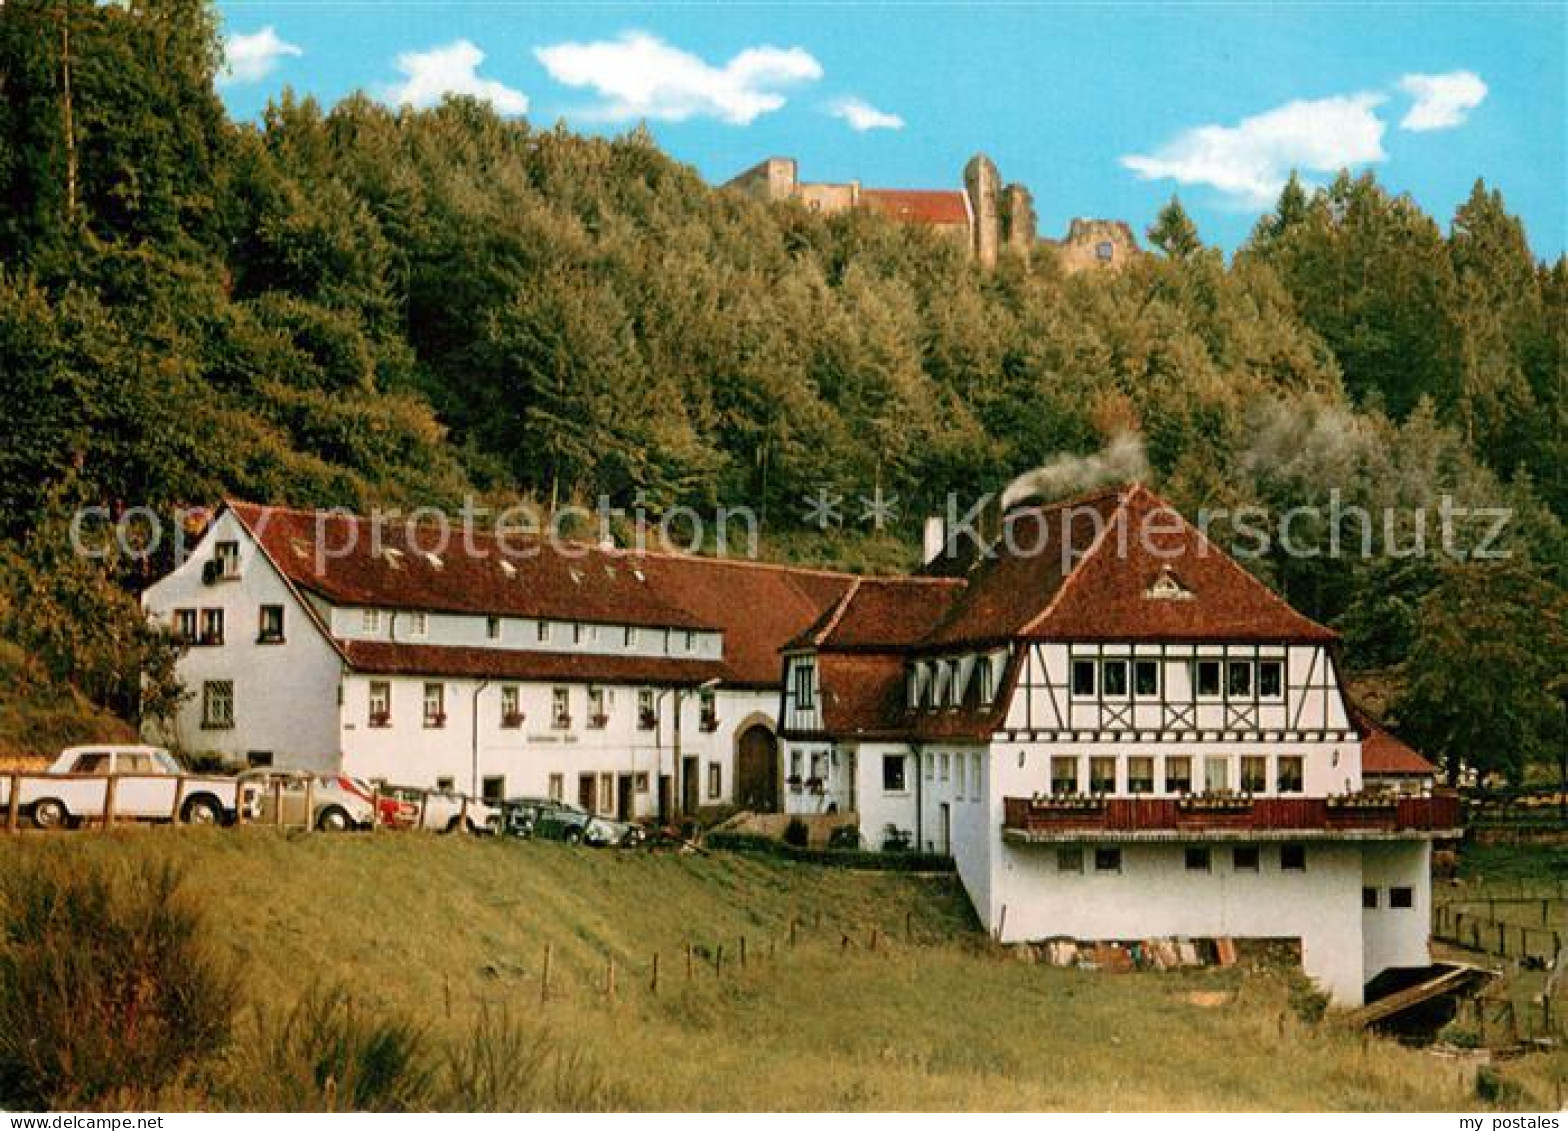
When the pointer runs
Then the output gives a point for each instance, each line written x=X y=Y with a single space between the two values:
x=935 y=539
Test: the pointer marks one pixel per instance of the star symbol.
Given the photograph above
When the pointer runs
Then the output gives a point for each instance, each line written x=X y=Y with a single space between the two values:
x=822 y=509
x=880 y=510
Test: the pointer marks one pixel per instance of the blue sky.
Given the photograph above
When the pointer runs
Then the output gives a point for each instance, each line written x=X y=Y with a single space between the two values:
x=1101 y=109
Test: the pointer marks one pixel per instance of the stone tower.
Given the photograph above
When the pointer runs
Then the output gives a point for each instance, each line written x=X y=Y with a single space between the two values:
x=982 y=184
x=1018 y=219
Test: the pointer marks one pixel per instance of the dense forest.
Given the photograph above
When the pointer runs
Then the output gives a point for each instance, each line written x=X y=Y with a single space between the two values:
x=360 y=305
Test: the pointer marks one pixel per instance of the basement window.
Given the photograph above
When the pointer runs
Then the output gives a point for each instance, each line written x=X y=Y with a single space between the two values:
x=1198 y=860
x=1069 y=860
x=1244 y=858
x=1369 y=899
x=1293 y=857
x=1401 y=898
x=1107 y=860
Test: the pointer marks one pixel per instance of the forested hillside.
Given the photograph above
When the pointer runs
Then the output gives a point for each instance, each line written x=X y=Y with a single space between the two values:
x=357 y=305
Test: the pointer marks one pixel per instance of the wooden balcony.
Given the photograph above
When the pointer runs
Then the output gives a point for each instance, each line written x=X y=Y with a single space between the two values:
x=1361 y=817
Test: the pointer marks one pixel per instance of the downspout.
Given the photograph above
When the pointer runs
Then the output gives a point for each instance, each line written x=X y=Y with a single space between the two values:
x=920 y=799
x=473 y=783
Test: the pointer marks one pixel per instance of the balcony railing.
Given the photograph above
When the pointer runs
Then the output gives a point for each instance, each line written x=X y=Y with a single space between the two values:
x=1049 y=818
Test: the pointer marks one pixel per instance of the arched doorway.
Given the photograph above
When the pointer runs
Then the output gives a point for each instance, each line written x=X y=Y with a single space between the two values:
x=757 y=769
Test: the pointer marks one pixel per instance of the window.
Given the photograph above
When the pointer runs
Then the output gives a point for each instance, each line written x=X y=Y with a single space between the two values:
x=1104 y=251
x=435 y=705
x=597 y=715
x=370 y=621
x=217 y=704
x=708 y=709
x=893 y=774
x=1289 y=776
x=258 y=759
x=1102 y=775
x=511 y=707
x=796 y=764
x=380 y=703
x=492 y=628
x=560 y=708
x=1244 y=857
x=227 y=555
x=945 y=768
x=212 y=626
x=1238 y=679
x=1369 y=899
x=1178 y=775
x=492 y=790
x=805 y=686
x=185 y=625
x=689 y=641
x=640 y=782
x=1401 y=899
x=606 y=793
x=1198 y=859
x=985 y=680
x=715 y=781
x=1293 y=857
x=1254 y=773
x=557 y=787
x=646 y=718
x=630 y=639
x=1208 y=677
x=1271 y=679
x=974 y=776
x=959 y=764
x=271 y=630
x=543 y=632
x=1064 y=775
x=1069 y=860
x=1107 y=860
x=1083 y=677
x=1140 y=775
x=1113 y=678
x=930 y=760
x=585 y=633
x=97 y=762
x=418 y=625
x=1216 y=775
x=1146 y=678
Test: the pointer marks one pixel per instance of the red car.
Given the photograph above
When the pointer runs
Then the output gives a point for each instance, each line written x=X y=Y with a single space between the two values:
x=392 y=810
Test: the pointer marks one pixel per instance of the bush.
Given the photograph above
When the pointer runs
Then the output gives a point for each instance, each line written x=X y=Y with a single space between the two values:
x=796 y=835
x=329 y=1053
x=108 y=990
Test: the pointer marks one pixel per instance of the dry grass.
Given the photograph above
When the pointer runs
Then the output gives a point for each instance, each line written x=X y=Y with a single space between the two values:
x=442 y=929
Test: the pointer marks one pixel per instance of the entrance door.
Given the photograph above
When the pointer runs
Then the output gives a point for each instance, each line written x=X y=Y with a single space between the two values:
x=624 y=792
x=666 y=796
x=689 y=784
x=757 y=770
x=588 y=792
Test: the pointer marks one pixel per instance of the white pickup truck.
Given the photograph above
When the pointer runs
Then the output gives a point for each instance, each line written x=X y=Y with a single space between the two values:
x=148 y=784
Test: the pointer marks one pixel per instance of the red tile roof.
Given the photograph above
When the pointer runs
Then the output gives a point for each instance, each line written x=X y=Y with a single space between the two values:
x=758 y=606
x=919 y=206
x=386 y=658
x=879 y=613
x=1385 y=755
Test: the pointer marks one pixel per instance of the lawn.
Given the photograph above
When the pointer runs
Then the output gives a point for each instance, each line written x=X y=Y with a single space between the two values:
x=935 y=1017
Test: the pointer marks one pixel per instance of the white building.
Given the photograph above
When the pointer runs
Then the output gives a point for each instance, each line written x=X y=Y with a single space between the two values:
x=633 y=684
x=1119 y=734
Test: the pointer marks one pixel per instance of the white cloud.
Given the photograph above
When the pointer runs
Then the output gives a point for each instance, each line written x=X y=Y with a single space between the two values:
x=641 y=76
x=252 y=57
x=430 y=75
x=863 y=116
x=1441 y=102
x=1250 y=161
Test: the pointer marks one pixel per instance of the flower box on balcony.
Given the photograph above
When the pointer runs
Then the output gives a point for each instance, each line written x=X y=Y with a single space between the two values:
x=1066 y=803
x=512 y=720
x=1363 y=803
x=379 y=719
x=1215 y=804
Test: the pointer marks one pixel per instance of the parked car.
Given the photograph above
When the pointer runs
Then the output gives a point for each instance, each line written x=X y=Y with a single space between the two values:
x=337 y=804
x=558 y=820
x=442 y=811
x=147 y=783
x=517 y=820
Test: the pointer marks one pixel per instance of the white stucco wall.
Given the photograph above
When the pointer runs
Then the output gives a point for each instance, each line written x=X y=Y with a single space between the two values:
x=1396 y=936
x=285 y=695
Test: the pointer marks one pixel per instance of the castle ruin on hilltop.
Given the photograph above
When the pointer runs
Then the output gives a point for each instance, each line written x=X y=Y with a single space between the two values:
x=986 y=215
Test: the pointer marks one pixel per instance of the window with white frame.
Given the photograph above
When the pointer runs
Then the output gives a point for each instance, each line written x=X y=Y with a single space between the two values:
x=185 y=625
x=511 y=706
x=647 y=718
x=631 y=636
x=715 y=781
x=1288 y=774
x=1146 y=678
x=805 y=685
x=435 y=705
x=380 y=703
x=1113 y=679
x=894 y=774
x=987 y=680
x=418 y=625
x=974 y=776
x=270 y=629
x=217 y=704
x=542 y=632
x=370 y=621
x=1083 y=679
x=598 y=713
x=560 y=708
x=211 y=626
x=1271 y=679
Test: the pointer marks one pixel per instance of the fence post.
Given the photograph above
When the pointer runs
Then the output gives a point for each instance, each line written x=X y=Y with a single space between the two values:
x=909 y=926
x=310 y=804
x=609 y=979
x=544 y=979
x=653 y=985
x=108 y=799
x=688 y=962
x=277 y=803
x=179 y=799
x=873 y=940
x=1502 y=940
x=793 y=921
x=13 y=808
x=1544 y=920
x=743 y=952
x=718 y=961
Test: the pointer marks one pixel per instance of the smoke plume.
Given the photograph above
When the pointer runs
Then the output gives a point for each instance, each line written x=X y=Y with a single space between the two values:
x=1120 y=461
